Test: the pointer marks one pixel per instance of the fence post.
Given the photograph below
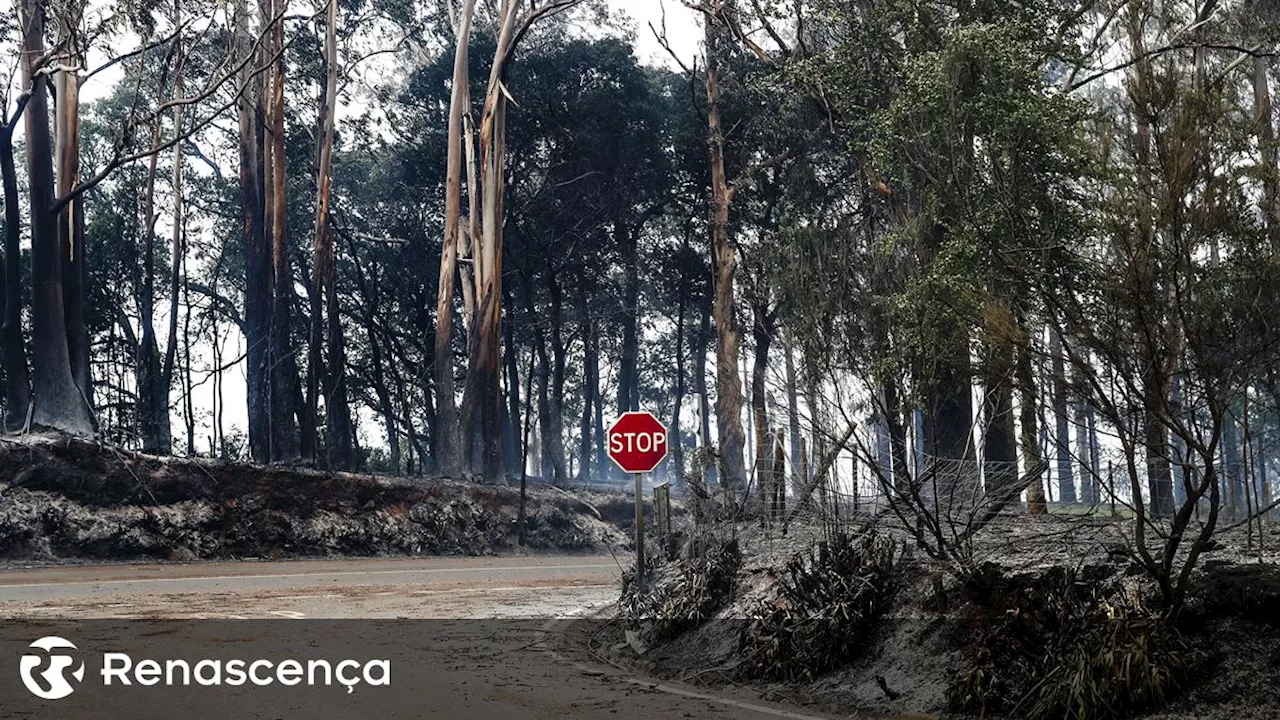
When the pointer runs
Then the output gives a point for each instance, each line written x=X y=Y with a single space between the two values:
x=662 y=512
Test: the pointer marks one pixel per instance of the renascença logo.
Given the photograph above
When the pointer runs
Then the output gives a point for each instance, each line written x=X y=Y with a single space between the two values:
x=55 y=685
x=121 y=669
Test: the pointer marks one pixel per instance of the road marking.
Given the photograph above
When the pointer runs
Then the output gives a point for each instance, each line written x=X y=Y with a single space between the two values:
x=338 y=573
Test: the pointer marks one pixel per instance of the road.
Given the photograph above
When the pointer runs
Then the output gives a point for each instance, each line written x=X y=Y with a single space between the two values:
x=474 y=637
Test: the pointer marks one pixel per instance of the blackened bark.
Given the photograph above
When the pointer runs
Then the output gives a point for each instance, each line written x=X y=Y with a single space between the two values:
x=793 y=414
x=372 y=292
x=284 y=364
x=1088 y=491
x=17 y=389
x=57 y=400
x=999 y=454
x=512 y=452
x=554 y=443
x=700 y=385
x=1029 y=414
x=1156 y=436
x=674 y=432
x=590 y=386
x=546 y=469
x=257 y=287
x=153 y=400
x=778 y=482
x=762 y=332
x=602 y=461
x=341 y=430
x=949 y=414
x=1062 y=427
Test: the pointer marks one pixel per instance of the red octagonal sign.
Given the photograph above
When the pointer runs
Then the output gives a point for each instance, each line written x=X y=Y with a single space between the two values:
x=637 y=442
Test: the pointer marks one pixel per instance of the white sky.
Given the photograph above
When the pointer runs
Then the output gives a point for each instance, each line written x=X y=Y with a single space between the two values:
x=683 y=29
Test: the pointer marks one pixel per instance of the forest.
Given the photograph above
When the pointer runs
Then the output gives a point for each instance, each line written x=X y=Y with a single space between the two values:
x=888 y=249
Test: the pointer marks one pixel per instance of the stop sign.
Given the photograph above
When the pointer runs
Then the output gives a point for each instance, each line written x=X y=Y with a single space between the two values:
x=637 y=442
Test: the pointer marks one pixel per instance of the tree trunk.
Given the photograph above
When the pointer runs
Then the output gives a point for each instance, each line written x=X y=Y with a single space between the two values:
x=512 y=452
x=177 y=261
x=284 y=365
x=1155 y=389
x=1062 y=435
x=730 y=434
x=949 y=413
x=154 y=381
x=1088 y=488
x=999 y=450
x=58 y=401
x=1267 y=146
x=546 y=468
x=793 y=413
x=484 y=365
x=555 y=433
x=446 y=440
x=778 y=482
x=1029 y=401
x=700 y=387
x=340 y=439
x=257 y=292
x=602 y=460
x=590 y=385
x=70 y=220
x=189 y=412
x=677 y=441
x=384 y=396
x=762 y=332
x=153 y=401
x=17 y=389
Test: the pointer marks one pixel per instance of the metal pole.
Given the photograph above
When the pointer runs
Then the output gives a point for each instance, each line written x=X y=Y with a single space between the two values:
x=639 y=526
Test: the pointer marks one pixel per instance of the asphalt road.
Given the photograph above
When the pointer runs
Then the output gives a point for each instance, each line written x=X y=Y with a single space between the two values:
x=495 y=648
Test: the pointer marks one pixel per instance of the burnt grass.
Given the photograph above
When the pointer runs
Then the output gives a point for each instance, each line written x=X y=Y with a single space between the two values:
x=1055 y=622
x=69 y=499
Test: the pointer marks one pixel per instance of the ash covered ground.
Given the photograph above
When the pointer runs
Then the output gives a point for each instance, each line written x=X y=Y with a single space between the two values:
x=1056 y=619
x=63 y=500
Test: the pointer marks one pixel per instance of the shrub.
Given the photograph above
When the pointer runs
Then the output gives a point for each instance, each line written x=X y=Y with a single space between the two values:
x=1053 y=646
x=679 y=595
x=824 y=602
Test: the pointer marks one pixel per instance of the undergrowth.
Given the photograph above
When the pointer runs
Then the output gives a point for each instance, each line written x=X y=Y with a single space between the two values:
x=825 y=600
x=1059 y=646
x=678 y=595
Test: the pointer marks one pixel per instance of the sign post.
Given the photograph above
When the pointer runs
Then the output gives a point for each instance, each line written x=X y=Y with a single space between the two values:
x=637 y=442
